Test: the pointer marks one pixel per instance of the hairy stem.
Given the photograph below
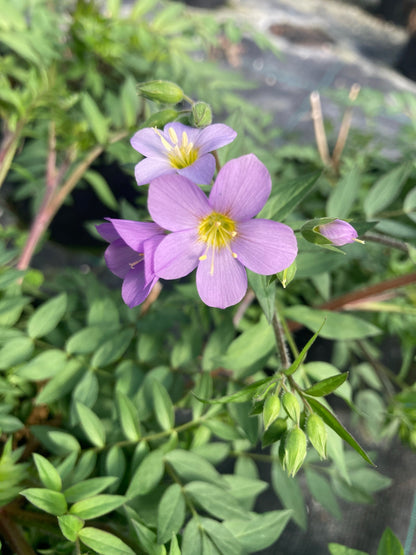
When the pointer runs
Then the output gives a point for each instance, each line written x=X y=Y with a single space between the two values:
x=281 y=342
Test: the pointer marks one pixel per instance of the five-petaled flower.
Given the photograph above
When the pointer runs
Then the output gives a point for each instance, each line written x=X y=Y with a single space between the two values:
x=179 y=149
x=130 y=256
x=339 y=232
x=218 y=235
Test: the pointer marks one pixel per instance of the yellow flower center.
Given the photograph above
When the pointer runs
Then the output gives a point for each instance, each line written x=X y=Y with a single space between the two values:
x=216 y=231
x=180 y=154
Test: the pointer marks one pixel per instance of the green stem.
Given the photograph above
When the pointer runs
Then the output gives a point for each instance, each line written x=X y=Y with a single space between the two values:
x=8 y=149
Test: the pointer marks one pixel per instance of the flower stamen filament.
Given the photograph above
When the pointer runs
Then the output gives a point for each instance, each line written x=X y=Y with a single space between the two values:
x=217 y=231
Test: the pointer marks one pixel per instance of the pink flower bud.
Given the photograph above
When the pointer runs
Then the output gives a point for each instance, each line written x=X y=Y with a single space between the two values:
x=338 y=232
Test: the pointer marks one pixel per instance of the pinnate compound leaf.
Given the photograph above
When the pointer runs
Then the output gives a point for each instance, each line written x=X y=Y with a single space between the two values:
x=91 y=425
x=174 y=546
x=62 y=383
x=326 y=386
x=50 y=501
x=147 y=539
x=98 y=505
x=112 y=349
x=47 y=317
x=337 y=549
x=170 y=514
x=331 y=420
x=103 y=542
x=389 y=544
x=192 y=538
x=43 y=366
x=163 y=406
x=147 y=476
x=70 y=526
x=88 y=488
x=48 y=474
x=260 y=531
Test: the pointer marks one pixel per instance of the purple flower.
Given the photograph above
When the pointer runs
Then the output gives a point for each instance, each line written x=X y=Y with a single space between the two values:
x=130 y=256
x=219 y=235
x=179 y=149
x=338 y=232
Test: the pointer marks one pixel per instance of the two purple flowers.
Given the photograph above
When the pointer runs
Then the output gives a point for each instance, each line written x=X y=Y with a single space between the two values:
x=218 y=235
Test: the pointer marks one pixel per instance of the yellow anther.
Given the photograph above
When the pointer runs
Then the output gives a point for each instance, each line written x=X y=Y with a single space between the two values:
x=234 y=255
x=203 y=257
x=184 y=139
x=173 y=136
x=359 y=241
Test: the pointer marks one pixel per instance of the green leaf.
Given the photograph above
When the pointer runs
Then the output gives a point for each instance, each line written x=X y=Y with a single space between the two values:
x=15 y=351
x=409 y=204
x=221 y=537
x=56 y=441
x=103 y=313
x=386 y=189
x=88 y=488
x=326 y=386
x=389 y=544
x=250 y=347
x=95 y=118
x=260 y=531
x=337 y=549
x=320 y=370
x=88 y=339
x=338 y=325
x=191 y=466
x=48 y=474
x=97 y=505
x=43 y=366
x=170 y=513
x=112 y=349
x=62 y=383
x=47 y=317
x=322 y=491
x=11 y=309
x=334 y=423
x=343 y=195
x=91 y=425
x=129 y=102
x=103 y=542
x=244 y=394
x=101 y=189
x=128 y=416
x=52 y=502
x=192 y=538
x=287 y=195
x=147 y=538
x=265 y=293
x=215 y=500
x=245 y=489
x=147 y=476
x=289 y=492
x=163 y=406
x=301 y=357
x=70 y=526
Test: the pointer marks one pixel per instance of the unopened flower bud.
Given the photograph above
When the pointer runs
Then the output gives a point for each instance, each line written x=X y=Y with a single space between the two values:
x=161 y=91
x=317 y=434
x=201 y=114
x=338 y=232
x=291 y=406
x=271 y=409
x=294 y=451
x=274 y=432
x=160 y=119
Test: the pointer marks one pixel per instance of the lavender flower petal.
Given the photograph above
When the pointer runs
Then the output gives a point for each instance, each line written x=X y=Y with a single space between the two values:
x=264 y=246
x=226 y=285
x=134 y=289
x=338 y=232
x=118 y=257
x=107 y=231
x=148 y=142
x=214 y=136
x=135 y=233
x=242 y=188
x=201 y=171
x=150 y=168
x=175 y=203
x=177 y=255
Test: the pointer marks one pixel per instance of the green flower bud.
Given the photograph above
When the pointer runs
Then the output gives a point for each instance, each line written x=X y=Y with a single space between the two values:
x=201 y=114
x=160 y=119
x=317 y=434
x=271 y=409
x=291 y=406
x=274 y=432
x=294 y=451
x=161 y=91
